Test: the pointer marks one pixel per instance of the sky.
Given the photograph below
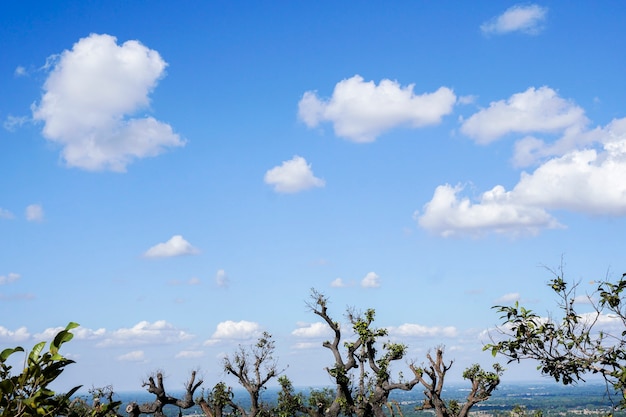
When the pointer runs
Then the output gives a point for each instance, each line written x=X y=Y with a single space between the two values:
x=177 y=177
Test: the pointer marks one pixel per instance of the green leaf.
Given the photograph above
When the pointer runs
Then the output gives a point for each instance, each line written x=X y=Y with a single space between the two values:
x=8 y=352
x=36 y=352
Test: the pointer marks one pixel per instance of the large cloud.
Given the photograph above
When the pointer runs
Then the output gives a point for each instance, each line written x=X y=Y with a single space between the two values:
x=88 y=98
x=235 y=330
x=527 y=19
x=293 y=176
x=534 y=110
x=360 y=111
x=591 y=180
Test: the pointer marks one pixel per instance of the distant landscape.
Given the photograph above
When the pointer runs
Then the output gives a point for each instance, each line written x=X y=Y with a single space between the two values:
x=550 y=398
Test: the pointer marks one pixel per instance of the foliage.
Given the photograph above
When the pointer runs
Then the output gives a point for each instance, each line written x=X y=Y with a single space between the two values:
x=102 y=404
x=570 y=347
x=28 y=393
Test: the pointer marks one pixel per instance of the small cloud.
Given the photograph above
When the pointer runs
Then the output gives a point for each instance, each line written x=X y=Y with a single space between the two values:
x=306 y=345
x=371 y=280
x=176 y=246
x=9 y=278
x=235 y=330
x=417 y=330
x=526 y=19
x=143 y=333
x=6 y=214
x=189 y=354
x=361 y=111
x=293 y=176
x=20 y=71
x=190 y=281
x=11 y=123
x=508 y=298
x=34 y=213
x=134 y=356
x=194 y=281
x=338 y=283
x=221 y=279
x=312 y=330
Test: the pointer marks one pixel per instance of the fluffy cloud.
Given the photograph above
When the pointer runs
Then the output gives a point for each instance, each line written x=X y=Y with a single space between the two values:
x=527 y=19
x=88 y=98
x=34 y=213
x=312 y=330
x=361 y=111
x=293 y=176
x=447 y=214
x=417 y=330
x=144 y=332
x=237 y=330
x=176 y=246
x=134 y=356
x=371 y=280
x=338 y=283
x=582 y=170
x=534 y=110
x=14 y=336
x=9 y=278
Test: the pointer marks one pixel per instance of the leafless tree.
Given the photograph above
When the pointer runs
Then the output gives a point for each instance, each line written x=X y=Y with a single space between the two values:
x=157 y=388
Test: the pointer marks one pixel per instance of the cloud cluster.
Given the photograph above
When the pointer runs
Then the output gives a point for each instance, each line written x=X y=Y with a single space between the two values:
x=293 y=176
x=175 y=246
x=577 y=169
x=361 y=111
x=90 y=96
x=528 y=19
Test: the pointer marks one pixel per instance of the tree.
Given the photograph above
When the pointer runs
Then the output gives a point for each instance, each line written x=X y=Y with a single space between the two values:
x=483 y=384
x=367 y=393
x=254 y=367
x=155 y=386
x=572 y=345
x=28 y=393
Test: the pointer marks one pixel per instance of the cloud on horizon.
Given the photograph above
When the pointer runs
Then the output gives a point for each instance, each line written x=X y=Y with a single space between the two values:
x=361 y=111
x=92 y=92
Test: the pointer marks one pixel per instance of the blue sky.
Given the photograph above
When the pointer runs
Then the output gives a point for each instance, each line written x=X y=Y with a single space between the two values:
x=177 y=177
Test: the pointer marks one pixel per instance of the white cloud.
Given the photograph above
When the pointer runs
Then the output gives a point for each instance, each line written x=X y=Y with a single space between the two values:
x=338 y=283
x=591 y=180
x=176 y=246
x=361 y=111
x=534 y=110
x=527 y=19
x=11 y=123
x=508 y=298
x=417 y=330
x=312 y=330
x=144 y=332
x=134 y=356
x=371 y=280
x=221 y=279
x=20 y=71
x=189 y=354
x=236 y=330
x=9 y=278
x=14 y=336
x=34 y=213
x=293 y=176
x=447 y=214
x=88 y=97
x=5 y=214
